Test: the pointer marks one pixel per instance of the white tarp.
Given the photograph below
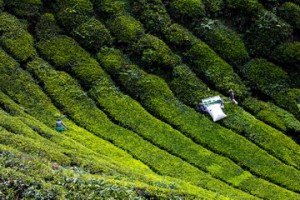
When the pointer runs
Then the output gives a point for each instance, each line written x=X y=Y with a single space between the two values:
x=216 y=112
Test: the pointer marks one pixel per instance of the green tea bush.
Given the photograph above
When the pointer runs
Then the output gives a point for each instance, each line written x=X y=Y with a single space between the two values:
x=213 y=8
x=291 y=13
x=155 y=53
x=153 y=12
x=265 y=76
x=66 y=54
x=187 y=9
x=171 y=110
x=83 y=111
x=223 y=40
x=126 y=29
x=206 y=63
x=178 y=37
x=266 y=33
x=288 y=55
x=272 y=114
x=246 y=6
x=111 y=8
x=25 y=8
x=46 y=27
x=92 y=35
x=289 y=100
x=2 y=5
x=72 y=13
x=15 y=38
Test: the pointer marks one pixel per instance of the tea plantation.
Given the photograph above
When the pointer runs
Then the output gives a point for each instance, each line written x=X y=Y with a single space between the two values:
x=126 y=76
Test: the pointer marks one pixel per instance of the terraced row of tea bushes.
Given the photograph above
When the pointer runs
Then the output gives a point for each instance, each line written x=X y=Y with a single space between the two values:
x=148 y=90
x=55 y=82
x=273 y=115
x=181 y=38
x=271 y=80
x=291 y=13
x=15 y=38
x=77 y=18
x=113 y=155
x=29 y=9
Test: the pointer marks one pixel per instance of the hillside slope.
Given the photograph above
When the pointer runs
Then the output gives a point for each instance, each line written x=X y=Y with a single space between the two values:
x=126 y=77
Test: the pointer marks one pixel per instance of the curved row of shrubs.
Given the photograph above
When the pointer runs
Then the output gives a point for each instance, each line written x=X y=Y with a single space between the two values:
x=15 y=38
x=148 y=90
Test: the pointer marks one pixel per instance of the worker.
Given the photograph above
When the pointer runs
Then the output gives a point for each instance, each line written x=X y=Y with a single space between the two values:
x=60 y=126
x=231 y=96
x=202 y=108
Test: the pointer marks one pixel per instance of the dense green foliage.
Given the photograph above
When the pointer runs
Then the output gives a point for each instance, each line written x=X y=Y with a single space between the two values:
x=126 y=78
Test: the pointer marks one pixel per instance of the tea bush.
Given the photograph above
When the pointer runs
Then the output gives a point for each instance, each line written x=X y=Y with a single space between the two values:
x=15 y=38
x=187 y=9
x=288 y=55
x=155 y=53
x=224 y=41
x=110 y=8
x=72 y=13
x=2 y=5
x=246 y=6
x=153 y=12
x=213 y=8
x=28 y=9
x=291 y=13
x=92 y=35
x=126 y=29
x=46 y=27
x=266 y=33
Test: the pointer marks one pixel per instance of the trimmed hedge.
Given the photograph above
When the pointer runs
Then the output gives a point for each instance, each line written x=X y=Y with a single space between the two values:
x=110 y=8
x=223 y=40
x=46 y=27
x=206 y=63
x=126 y=29
x=273 y=115
x=246 y=6
x=187 y=9
x=202 y=130
x=180 y=38
x=213 y=8
x=265 y=76
x=15 y=38
x=72 y=13
x=291 y=13
x=92 y=35
x=153 y=52
x=78 y=104
x=288 y=55
x=266 y=33
x=271 y=80
x=153 y=12
x=25 y=8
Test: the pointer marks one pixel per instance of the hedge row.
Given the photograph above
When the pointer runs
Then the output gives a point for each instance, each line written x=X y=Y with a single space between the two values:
x=29 y=9
x=223 y=40
x=147 y=89
x=15 y=37
x=2 y=5
x=288 y=55
x=75 y=101
x=274 y=82
x=273 y=115
x=291 y=13
x=77 y=18
x=46 y=27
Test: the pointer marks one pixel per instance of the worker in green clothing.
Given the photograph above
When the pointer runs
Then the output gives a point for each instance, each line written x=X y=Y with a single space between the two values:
x=60 y=126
